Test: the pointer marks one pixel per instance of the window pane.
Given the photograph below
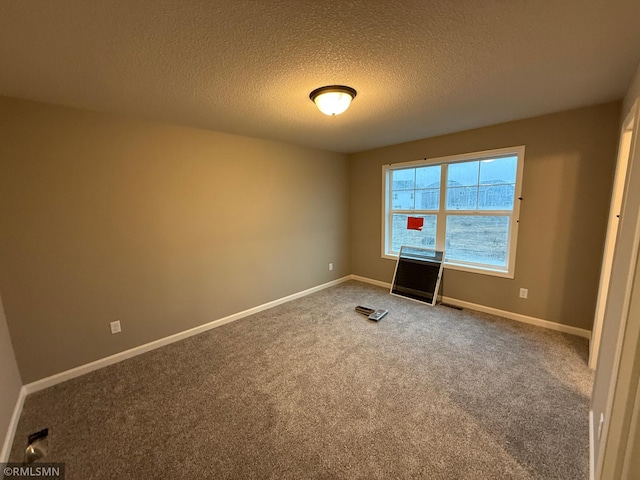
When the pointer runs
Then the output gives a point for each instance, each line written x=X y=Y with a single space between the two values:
x=402 y=200
x=497 y=183
x=498 y=171
x=478 y=239
x=428 y=177
x=428 y=199
x=403 y=179
x=465 y=173
x=462 y=198
x=496 y=197
x=400 y=235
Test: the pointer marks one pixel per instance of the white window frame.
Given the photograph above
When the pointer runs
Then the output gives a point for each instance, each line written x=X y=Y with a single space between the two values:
x=442 y=213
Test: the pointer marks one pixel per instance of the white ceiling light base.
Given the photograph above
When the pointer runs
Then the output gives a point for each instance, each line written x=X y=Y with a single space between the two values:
x=333 y=99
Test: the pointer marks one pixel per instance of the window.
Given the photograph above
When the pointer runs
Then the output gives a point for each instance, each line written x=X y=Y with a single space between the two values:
x=467 y=205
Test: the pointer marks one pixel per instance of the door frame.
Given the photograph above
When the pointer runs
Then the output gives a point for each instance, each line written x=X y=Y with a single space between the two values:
x=620 y=379
x=613 y=225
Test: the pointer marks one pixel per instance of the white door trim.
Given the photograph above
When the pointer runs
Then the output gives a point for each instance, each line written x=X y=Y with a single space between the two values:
x=622 y=170
x=612 y=432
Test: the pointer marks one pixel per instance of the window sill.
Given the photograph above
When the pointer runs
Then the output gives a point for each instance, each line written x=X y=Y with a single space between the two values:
x=466 y=268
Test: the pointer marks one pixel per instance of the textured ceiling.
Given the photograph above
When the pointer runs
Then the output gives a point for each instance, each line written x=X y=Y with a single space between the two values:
x=421 y=67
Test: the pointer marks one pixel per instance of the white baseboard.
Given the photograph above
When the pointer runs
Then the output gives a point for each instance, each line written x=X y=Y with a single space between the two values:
x=371 y=281
x=118 y=357
x=13 y=425
x=559 y=327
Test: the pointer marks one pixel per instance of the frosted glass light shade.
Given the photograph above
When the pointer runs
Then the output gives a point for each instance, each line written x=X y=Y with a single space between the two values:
x=333 y=99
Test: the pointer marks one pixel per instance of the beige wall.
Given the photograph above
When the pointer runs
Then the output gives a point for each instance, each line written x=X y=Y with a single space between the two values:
x=568 y=176
x=164 y=228
x=10 y=382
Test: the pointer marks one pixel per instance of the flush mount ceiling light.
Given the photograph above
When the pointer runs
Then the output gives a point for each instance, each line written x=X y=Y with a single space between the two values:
x=333 y=99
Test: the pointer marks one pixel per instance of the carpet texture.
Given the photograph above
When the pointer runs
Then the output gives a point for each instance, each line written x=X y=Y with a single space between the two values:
x=312 y=390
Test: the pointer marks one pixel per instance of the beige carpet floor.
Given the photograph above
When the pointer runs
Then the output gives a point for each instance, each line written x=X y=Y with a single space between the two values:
x=312 y=390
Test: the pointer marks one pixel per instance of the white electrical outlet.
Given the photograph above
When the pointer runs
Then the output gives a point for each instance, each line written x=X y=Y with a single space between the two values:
x=115 y=327
x=524 y=292
x=331 y=266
